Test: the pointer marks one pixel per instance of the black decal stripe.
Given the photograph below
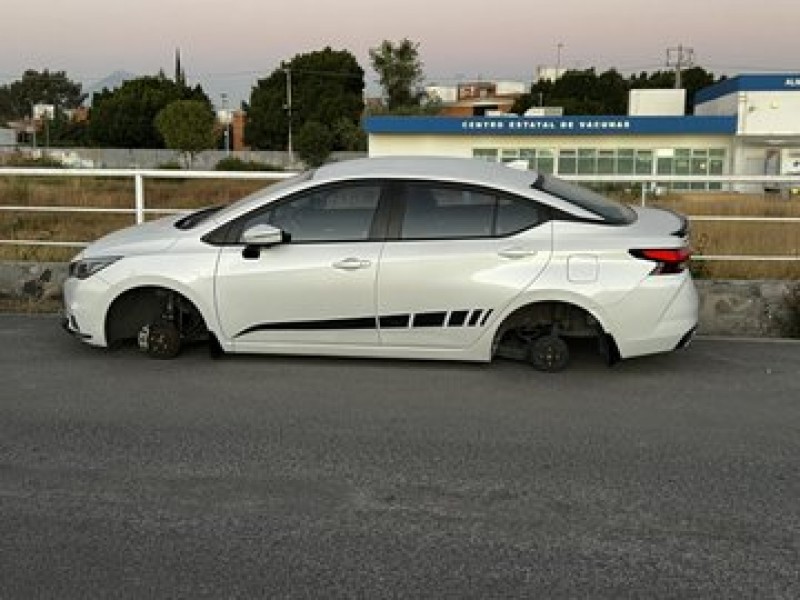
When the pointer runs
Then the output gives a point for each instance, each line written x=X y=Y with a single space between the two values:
x=429 y=319
x=394 y=321
x=457 y=318
x=475 y=317
x=326 y=325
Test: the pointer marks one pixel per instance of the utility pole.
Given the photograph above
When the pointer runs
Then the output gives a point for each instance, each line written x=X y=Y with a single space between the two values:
x=227 y=116
x=680 y=57
x=559 y=47
x=288 y=108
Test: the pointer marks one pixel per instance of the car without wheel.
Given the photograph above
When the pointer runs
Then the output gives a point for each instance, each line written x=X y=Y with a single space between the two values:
x=416 y=258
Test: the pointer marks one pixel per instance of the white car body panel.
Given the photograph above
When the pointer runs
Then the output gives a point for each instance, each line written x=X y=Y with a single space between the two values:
x=291 y=285
x=420 y=299
x=478 y=277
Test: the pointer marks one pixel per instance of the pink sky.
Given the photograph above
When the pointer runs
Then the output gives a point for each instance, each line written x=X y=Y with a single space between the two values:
x=227 y=45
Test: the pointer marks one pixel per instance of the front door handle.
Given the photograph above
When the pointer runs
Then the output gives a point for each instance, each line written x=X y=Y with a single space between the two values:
x=352 y=263
x=517 y=252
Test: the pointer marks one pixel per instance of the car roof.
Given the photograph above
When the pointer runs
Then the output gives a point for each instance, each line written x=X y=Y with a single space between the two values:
x=468 y=170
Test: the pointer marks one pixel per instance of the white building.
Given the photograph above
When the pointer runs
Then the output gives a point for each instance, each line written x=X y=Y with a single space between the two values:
x=746 y=125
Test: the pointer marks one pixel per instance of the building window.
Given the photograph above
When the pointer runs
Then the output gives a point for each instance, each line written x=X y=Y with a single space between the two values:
x=487 y=154
x=586 y=161
x=695 y=162
x=644 y=162
x=625 y=161
x=568 y=162
x=605 y=162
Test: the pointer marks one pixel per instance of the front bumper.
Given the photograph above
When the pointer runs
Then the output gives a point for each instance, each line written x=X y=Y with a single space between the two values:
x=85 y=308
x=70 y=324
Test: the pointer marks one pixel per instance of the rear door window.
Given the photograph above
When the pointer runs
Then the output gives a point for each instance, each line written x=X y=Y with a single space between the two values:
x=449 y=211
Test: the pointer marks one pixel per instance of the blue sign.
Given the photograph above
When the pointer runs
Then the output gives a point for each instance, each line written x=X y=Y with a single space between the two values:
x=553 y=126
x=750 y=83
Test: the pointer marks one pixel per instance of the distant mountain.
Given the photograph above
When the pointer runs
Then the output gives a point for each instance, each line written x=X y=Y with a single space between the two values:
x=113 y=81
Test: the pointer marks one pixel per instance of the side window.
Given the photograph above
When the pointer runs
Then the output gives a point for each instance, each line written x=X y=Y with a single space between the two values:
x=333 y=214
x=516 y=214
x=445 y=211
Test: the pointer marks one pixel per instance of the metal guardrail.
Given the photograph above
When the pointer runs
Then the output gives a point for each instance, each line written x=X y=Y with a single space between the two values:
x=648 y=184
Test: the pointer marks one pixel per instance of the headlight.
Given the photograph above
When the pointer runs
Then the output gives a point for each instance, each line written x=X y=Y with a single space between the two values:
x=86 y=267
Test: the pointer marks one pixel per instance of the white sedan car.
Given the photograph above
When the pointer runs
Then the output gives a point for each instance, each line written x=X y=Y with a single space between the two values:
x=419 y=258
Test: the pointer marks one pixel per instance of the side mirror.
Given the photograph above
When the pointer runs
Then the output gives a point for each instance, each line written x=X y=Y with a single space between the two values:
x=262 y=235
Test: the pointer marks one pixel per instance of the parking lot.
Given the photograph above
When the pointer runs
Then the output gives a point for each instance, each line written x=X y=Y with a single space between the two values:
x=251 y=476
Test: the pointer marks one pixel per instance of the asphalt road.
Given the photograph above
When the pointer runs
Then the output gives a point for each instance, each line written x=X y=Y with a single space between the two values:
x=674 y=476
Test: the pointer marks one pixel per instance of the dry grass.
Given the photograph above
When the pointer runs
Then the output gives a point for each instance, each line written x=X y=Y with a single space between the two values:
x=741 y=238
x=717 y=238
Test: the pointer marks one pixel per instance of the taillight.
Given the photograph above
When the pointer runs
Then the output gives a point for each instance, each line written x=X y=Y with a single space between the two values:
x=669 y=261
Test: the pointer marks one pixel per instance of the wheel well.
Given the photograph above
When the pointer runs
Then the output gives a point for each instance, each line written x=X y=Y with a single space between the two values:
x=560 y=318
x=138 y=307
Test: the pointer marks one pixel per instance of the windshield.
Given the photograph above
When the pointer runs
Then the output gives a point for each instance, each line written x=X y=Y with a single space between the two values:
x=270 y=189
x=611 y=211
x=197 y=217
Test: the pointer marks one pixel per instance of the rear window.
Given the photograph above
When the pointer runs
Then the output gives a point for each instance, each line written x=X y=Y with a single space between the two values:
x=611 y=211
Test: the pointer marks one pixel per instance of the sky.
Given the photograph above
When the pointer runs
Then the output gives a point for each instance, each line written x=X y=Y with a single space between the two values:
x=227 y=46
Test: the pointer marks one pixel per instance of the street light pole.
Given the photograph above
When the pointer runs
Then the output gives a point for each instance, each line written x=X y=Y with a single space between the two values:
x=559 y=47
x=289 y=112
x=227 y=124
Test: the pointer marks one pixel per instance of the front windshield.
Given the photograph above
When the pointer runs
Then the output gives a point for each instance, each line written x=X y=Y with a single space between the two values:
x=270 y=189
x=194 y=219
x=611 y=211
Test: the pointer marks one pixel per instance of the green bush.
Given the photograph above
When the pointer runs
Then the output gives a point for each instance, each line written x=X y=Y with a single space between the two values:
x=18 y=159
x=171 y=165
x=232 y=163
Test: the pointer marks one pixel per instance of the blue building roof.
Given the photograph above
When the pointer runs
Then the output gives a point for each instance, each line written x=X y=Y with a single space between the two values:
x=749 y=83
x=553 y=126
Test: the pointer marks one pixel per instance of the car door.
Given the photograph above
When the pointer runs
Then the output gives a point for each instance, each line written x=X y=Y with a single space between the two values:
x=318 y=287
x=456 y=257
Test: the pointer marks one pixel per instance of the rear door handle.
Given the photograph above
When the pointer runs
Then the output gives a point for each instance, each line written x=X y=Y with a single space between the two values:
x=352 y=263
x=517 y=252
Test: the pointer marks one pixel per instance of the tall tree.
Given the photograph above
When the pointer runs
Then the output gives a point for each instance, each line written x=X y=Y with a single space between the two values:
x=34 y=87
x=188 y=126
x=125 y=117
x=327 y=86
x=400 y=70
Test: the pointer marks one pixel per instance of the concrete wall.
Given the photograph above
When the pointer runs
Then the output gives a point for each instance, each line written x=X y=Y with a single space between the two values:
x=727 y=308
x=122 y=158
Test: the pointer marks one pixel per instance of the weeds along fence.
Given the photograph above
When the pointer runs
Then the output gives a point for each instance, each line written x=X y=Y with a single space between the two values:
x=642 y=189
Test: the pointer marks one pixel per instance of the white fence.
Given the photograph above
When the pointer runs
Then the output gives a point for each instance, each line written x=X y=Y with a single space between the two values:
x=140 y=210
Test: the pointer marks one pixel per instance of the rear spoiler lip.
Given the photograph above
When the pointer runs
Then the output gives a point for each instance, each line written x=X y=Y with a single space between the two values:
x=683 y=230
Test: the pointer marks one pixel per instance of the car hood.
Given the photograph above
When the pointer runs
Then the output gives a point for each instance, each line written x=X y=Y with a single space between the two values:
x=153 y=236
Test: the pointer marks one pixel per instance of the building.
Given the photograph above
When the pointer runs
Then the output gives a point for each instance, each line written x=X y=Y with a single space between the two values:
x=745 y=125
x=477 y=98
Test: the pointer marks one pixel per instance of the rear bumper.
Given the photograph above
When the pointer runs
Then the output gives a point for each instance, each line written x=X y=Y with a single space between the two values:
x=652 y=320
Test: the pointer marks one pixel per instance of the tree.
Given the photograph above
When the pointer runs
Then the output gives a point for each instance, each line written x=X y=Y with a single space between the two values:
x=584 y=92
x=125 y=117
x=45 y=87
x=400 y=72
x=188 y=126
x=314 y=143
x=327 y=86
